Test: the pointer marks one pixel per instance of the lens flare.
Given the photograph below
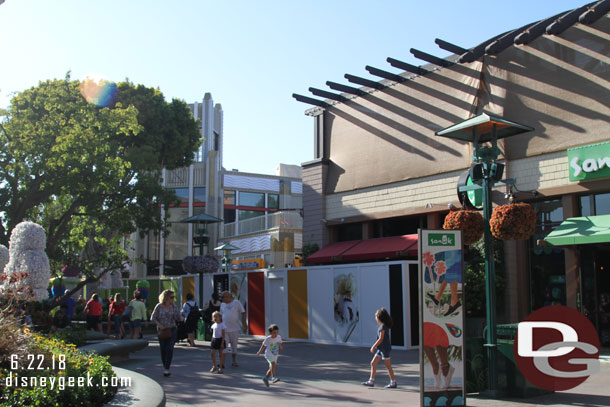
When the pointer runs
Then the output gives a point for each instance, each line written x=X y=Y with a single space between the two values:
x=98 y=91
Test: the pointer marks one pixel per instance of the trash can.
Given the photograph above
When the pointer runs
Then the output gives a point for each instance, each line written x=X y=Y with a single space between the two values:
x=510 y=380
x=203 y=333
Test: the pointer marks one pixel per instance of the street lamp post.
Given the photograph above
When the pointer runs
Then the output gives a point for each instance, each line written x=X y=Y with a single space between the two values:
x=486 y=173
x=226 y=249
x=201 y=220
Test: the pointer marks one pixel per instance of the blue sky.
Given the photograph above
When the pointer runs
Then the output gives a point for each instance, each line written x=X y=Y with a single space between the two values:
x=251 y=55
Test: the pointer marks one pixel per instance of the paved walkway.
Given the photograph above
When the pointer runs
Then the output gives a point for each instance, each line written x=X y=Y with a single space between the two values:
x=317 y=375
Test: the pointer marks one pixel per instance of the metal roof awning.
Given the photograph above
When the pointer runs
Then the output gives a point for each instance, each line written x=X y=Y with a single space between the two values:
x=585 y=230
x=382 y=248
x=331 y=252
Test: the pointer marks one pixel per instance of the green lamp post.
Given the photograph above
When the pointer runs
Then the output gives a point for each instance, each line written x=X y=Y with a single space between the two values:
x=486 y=173
x=226 y=249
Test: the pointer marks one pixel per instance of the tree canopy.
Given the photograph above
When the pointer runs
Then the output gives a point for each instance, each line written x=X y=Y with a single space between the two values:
x=90 y=174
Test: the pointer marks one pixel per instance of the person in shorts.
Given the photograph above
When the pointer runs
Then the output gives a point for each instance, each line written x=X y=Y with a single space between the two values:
x=381 y=348
x=232 y=311
x=272 y=346
x=138 y=314
x=218 y=342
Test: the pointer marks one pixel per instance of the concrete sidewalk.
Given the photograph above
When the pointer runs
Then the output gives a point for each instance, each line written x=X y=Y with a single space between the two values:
x=317 y=375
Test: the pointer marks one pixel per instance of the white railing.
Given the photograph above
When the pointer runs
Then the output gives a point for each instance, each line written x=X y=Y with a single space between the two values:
x=251 y=225
x=282 y=220
x=289 y=220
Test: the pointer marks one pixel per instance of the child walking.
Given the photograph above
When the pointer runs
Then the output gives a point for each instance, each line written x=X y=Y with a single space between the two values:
x=381 y=348
x=218 y=340
x=273 y=346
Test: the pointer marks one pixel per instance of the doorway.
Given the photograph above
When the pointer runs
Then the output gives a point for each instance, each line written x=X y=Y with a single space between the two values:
x=595 y=288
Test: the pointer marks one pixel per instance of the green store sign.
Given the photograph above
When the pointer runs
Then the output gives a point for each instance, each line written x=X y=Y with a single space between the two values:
x=441 y=239
x=589 y=162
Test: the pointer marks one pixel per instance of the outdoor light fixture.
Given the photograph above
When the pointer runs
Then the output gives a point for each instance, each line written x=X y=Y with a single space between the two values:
x=201 y=220
x=226 y=249
x=481 y=130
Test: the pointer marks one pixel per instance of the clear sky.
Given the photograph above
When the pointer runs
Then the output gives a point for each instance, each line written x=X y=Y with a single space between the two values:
x=251 y=55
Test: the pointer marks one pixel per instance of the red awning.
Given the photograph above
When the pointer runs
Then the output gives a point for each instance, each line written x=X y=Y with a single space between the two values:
x=331 y=252
x=383 y=248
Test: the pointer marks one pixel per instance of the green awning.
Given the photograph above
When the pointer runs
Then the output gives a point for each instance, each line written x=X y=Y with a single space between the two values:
x=586 y=230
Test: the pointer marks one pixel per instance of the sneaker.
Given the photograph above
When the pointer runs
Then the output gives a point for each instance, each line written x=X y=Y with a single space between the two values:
x=392 y=385
x=369 y=383
x=166 y=373
x=448 y=377
x=275 y=379
x=432 y=298
x=266 y=381
x=213 y=369
x=437 y=380
x=453 y=308
x=220 y=371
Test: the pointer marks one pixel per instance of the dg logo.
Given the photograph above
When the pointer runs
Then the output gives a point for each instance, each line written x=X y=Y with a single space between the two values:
x=556 y=348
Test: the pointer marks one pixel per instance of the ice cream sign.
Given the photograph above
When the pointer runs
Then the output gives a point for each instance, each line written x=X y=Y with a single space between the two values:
x=589 y=162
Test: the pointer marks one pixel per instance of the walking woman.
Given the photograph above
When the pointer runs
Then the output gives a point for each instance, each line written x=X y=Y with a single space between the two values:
x=93 y=309
x=165 y=315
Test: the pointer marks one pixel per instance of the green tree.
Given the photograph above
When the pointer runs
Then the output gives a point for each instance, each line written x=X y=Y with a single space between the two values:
x=90 y=174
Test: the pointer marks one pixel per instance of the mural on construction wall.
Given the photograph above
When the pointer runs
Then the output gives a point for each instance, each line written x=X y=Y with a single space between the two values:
x=346 y=306
x=238 y=287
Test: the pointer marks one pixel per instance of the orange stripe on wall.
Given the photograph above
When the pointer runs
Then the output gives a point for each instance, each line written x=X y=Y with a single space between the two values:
x=188 y=286
x=298 y=309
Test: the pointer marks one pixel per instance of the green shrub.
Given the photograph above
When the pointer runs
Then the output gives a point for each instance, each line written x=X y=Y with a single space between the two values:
x=74 y=334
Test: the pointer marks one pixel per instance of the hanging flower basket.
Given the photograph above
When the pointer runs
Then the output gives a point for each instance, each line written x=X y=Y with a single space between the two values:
x=471 y=222
x=515 y=221
x=200 y=264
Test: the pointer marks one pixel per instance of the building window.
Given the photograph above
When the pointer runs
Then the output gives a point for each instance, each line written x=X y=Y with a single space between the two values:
x=243 y=215
x=351 y=231
x=273 y=201
x=229 y=198
x=216 y=141
x=229 y=216
x=176 y=245
x=198 y=194
x=593 y=205
x=153 y=246
x=182 y=194
x=252 y=199
x=547 y=264
x=398 y=226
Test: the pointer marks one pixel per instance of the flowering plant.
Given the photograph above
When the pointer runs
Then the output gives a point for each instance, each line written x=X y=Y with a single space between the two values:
x=471 y=222
x=200 y=264
x=515 y=221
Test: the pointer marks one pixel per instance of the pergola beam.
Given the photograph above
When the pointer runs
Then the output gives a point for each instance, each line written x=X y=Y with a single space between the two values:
x=447 y=46
x=504 y=41
x=310 y=101
x=535 y=30
x=344 y=88
x=364 y=82
x=327 y=95
x=478 y=51
x=407 y=67
x=430 y=58
x=384 y=74
x=566 y=21
x=594 y=13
